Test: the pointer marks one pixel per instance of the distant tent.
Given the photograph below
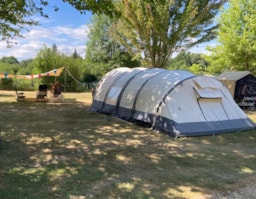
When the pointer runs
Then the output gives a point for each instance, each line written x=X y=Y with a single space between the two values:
x=239 y=83
x=176 y=102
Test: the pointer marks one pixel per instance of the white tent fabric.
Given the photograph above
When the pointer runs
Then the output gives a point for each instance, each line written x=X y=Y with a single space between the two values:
x=176 y=102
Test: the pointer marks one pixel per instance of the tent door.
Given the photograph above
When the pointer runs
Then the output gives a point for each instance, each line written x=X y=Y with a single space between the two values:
x=212 y=109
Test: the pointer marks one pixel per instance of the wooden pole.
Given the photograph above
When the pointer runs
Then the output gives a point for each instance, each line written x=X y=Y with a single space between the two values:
x=65 y=80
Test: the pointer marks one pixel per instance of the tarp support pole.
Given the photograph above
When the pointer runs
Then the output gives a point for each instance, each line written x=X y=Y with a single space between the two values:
x=65 y=80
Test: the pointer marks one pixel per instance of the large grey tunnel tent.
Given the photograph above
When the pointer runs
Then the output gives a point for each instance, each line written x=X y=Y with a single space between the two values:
x=176 y=102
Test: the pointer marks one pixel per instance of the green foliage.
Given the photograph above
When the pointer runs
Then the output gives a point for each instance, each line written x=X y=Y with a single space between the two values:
x=6 y=84
x=75 y=54
x=154 y=30
x=237 y=48
x=45 y=60
x=189 y=61
x=217 y=61
x=196 y=69
x=72 y=77
x=49 y=58
x=103 y=53
x=8 y=68
x=10 y=65
x=9 y=60
x=26 y=67
x=16 y=16
x=88 y=78
x=97 y=7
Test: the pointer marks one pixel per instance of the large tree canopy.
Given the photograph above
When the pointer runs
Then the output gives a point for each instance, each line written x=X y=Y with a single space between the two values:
x=96 y=6
x=154 y=29
x=237 y=35
x=103 y=53
x=185 y=60
x=16 y=16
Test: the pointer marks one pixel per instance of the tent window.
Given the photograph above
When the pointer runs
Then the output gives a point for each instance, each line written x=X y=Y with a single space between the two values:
x=204 y=83
x=206 y=89
x=210 y=93
x=113 y=95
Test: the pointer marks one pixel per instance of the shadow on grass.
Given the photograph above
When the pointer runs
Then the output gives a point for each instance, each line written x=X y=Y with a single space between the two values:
x=6 y=95
x=64 y=151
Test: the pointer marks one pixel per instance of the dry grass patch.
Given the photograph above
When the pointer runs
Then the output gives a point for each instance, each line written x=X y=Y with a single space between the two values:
x=64 y=151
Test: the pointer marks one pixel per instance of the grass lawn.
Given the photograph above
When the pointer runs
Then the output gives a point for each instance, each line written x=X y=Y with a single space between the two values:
x=64 y=151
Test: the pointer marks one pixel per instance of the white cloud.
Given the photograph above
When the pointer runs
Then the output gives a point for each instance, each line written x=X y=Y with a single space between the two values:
x=66 y=38
x=202 y=48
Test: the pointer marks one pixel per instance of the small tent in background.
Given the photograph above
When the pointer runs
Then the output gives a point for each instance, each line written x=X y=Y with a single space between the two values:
x=241 y=85
x=176 y=102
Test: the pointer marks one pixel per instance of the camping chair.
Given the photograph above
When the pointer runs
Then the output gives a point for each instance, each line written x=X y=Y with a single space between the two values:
x=20 y=96
x=42 y=92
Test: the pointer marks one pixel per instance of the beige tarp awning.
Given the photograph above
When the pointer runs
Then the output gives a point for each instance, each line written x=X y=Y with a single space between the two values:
x=230 y=78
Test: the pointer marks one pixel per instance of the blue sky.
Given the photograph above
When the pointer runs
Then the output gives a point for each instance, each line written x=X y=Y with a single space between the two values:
x=66 y=28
